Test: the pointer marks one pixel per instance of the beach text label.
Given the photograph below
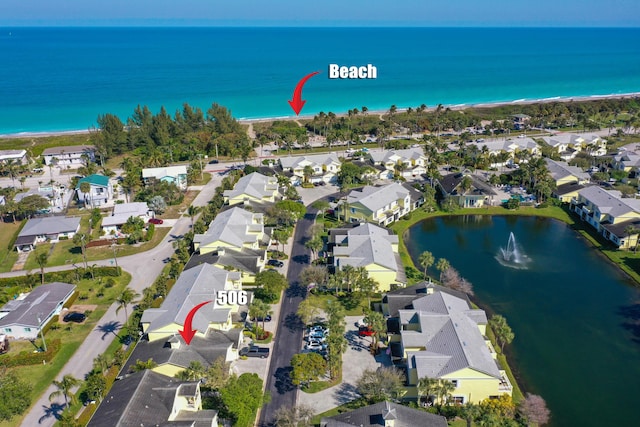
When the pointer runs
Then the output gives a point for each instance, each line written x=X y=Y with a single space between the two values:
x=368 y=71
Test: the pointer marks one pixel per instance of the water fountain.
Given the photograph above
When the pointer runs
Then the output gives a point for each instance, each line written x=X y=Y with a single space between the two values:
x=512 y=256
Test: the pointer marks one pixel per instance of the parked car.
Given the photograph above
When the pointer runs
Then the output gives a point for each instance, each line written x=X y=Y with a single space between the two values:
x=255 y=351
x=315 y=346
x=260 y=319
x=365 y=332
x=361 y=323
x=316 y=336
x=275 y=263
x=318 y=328
x=75 y=317
x=155 y=221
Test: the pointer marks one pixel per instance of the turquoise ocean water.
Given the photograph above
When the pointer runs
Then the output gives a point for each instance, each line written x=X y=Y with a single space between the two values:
x=54 y=79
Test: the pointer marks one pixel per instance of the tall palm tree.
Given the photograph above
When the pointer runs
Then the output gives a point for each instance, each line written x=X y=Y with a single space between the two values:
x=445 y=388
x=64 y=388
x=192 y=212
x=42 y=259
x=260 y=310
x=126 y=298
x=427 y=387
x=426 y=260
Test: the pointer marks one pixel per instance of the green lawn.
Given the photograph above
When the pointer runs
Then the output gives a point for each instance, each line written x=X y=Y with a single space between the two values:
x=323 y=300
x=8 y=256
x=70 y=336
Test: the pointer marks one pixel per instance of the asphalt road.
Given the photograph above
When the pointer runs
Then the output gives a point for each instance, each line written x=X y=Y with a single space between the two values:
x=288 y=338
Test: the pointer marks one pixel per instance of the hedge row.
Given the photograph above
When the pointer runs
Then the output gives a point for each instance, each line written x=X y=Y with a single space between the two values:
x=25 y=358
x=103 y=242
x=15 y=236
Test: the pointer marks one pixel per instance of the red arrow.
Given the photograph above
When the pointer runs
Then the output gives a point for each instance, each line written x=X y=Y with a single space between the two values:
x=297 y=103
x=188 y=332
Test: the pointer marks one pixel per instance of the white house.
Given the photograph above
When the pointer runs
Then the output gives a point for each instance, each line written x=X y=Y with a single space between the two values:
x=121 y=213
x=411 y=162
x=172 y=174
x=38 y=230
x=69 y=156
x=15 y=156
x=100 y=193
x=23 y=317
x=324 y=167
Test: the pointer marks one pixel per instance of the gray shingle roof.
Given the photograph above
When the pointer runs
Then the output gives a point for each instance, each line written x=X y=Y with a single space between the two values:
x=144 y=399
x=244 y=260
x=559 y=170
x=71 y=149
x=194 y=286
x=291 y=162
x=448 y=330
x=50 y=225
x=407 y=154
x=40 y=303
x=376 y=414
x=610 y=201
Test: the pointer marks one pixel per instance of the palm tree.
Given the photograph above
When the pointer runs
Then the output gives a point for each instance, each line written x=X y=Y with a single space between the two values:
x=85 y=189
x=259 y=310
x=445 y=388
x=42 y=258
x=427 y=387
x=192 y=212
x=426 y=260
x=442 y=265
x=64 y=388
x=629 y=231
x=101 y=363
x=126 y=298
x=307 y=171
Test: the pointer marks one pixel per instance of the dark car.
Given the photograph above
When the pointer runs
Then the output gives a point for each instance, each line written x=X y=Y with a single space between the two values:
x=255 y=351
x=213 y=162
x=75 y=317
x=365 y=332
x=260 y=319
x=275 y=263
x=155 y=221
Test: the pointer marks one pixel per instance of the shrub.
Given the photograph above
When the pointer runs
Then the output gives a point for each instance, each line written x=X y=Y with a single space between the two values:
x=15 y=236
x=151 y=228
x=25 y=358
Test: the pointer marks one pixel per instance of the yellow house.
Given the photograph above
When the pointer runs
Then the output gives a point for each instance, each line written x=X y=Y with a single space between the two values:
x=380 y=205
x=569 y=180
x=253 y=188
x=236 y=241
x=147 y=398
x=442 y=337
x=371 y=247
x=610 y=214
x=194 y=286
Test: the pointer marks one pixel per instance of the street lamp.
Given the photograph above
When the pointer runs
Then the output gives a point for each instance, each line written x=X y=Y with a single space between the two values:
x=44 y=344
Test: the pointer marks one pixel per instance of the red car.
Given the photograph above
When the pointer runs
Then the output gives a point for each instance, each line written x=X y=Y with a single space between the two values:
x=365 y=332
x=155 y=221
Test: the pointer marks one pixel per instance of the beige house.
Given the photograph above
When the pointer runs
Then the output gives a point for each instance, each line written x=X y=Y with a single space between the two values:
x=568 y=145
x=323 y=167
x=253 y=188
x=409 y=163
x=515 y=148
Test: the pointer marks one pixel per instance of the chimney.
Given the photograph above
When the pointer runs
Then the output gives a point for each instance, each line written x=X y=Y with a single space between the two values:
x=389 y=415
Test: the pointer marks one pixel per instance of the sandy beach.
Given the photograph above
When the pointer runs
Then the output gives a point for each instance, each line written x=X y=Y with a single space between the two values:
x=369 y=112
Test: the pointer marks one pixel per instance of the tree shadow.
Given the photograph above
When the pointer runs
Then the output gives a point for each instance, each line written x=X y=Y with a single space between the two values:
x=301 y=259
x=109 y=328
x=283 y=380
x=293 y=322
x=355 y=342
x=295 y=290
x=631 y=313
x=54 y=410
x=346 y=393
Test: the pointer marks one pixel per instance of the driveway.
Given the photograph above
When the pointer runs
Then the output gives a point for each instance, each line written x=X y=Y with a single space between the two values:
x=356 y=360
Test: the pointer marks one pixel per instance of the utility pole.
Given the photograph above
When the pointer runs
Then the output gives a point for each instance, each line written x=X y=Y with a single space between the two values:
x=44 y=344
x=115 y=257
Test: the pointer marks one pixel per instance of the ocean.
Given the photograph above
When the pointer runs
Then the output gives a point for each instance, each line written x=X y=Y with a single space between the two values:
x=57 y=79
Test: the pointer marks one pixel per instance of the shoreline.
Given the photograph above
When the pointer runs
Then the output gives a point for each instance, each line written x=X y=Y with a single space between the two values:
x=456 y=107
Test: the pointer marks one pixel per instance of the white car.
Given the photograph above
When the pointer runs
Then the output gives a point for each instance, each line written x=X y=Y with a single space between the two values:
x=315 y=346
x=361 y=323
x=316 y=336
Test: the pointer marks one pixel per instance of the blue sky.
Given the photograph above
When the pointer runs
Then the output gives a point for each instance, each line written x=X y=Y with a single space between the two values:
x=323 y=12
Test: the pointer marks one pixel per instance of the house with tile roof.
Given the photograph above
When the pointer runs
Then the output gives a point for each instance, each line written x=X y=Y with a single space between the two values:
x=39 y=230
x=194 y=286
x=609 y=213
x=409 y=163
x=369 y=246
x=25 y=316
x=324 y=167
x=147 y=398
x=100 y=192
x=172 y=174
x=384 y=414
x=467 y=189
x=440 y=335
x=253 y=188
x=380 y=205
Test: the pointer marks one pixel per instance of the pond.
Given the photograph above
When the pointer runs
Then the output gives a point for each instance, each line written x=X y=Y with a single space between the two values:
x=576 y=318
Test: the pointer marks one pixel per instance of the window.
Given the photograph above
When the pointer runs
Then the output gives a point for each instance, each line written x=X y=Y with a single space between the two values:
x=7 y=329
x=455 y=383
x=353 y=210
x=27 y=329
x=457 y=400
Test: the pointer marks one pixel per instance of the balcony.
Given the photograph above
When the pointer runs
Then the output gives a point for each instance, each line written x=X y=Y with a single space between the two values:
x=505 y=385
